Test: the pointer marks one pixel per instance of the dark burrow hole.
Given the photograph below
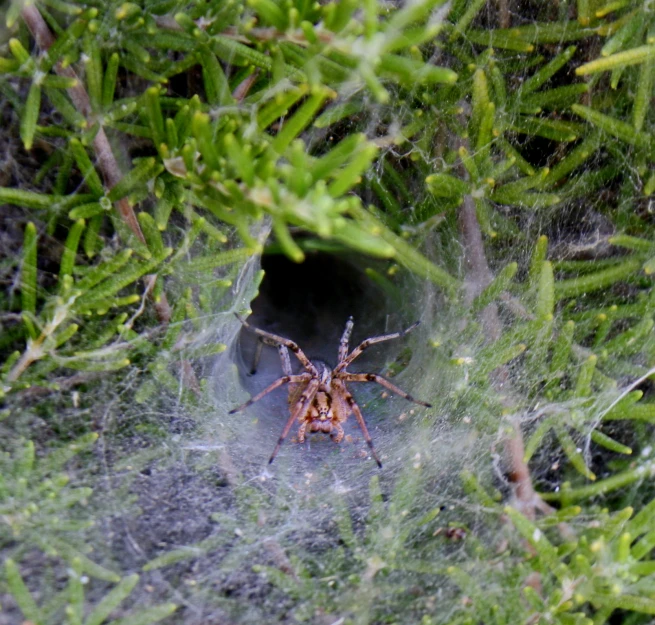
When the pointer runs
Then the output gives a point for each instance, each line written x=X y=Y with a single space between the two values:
x=310 y=302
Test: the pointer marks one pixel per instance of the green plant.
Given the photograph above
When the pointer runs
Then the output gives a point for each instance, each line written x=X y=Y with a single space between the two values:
x=487 y=166
x=70 y=604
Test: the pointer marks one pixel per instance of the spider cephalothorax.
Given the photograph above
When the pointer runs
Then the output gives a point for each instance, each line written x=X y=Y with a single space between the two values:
x=319 y=400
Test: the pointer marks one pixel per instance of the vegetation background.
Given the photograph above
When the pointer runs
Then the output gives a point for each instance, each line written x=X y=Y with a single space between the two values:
x=485 y=166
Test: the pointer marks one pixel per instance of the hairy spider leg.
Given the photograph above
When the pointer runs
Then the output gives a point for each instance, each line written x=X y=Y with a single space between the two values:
x=368 y=342
x=282 y=350
x=284 y=359
x=360 y=418
x=293 y=379
x=286 y=367
x=279 y=340
x=257 y=356
x=302 y=405
x=345 y=338
x=378 y=379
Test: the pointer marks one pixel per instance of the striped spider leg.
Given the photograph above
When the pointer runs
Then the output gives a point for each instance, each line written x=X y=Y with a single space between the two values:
x=319 y=400
x=341 y=376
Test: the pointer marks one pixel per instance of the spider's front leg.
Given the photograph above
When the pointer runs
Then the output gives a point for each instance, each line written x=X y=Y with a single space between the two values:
x=378 y=379
x=352 y=404
x=293 y=379
x=345 y=339
x=336 y=427
x=300 y=410
x=346 y=360
x=301 y=432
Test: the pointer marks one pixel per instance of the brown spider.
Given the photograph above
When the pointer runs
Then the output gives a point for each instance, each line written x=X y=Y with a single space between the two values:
x=319 y=399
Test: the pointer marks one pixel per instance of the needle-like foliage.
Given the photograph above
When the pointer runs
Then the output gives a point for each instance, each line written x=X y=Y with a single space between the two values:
x=487 y=167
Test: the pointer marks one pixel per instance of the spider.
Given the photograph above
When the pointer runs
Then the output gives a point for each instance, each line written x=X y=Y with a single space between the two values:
x=319 y=399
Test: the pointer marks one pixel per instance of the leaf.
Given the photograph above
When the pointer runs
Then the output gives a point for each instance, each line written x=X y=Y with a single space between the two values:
x=87 y=565
x=300 y=119
x=151 y=234
x=93 y=70
x=546 y=292
x=28 y=270
x=112 y=600
x=216 y=86
x=70 y=249
x=21 y=594
x=473 y=8
x=445 y=185
x=545 y=73
x=144 y=170
x=497 y=286
x=30 y=115
x=147 y=616
x=86 y=167
x=597 y=280
x=572 y=452
x=545 y=550
x=152 y=110
x=350 y=175
x=284 y=238
x=109 y=80
x=615 y=127
x=622 y=59
x=405 y=253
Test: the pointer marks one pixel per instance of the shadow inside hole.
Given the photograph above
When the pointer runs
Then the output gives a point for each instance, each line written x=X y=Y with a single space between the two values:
x=310 y=303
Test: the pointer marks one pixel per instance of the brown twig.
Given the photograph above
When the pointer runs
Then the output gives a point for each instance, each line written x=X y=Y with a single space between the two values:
x=59 y=385
x=279 y=557
x=242 y=89
x=107 y=163
x=504 y=16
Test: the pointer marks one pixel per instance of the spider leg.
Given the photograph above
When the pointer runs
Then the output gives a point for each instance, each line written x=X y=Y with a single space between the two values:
x=256 y=357
x=294 y=379
x=301 y=432
x=282 y=350
x=301 y=407
x=343 y=344
x=367 y=343
x=340 y=433
x=286 y=367
x=360 y=419
x=284 y=359
x=279 y=340
x=378 y=379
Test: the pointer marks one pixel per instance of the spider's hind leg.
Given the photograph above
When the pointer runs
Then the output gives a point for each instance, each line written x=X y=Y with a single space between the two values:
x=284 y=359
x=256 y=357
